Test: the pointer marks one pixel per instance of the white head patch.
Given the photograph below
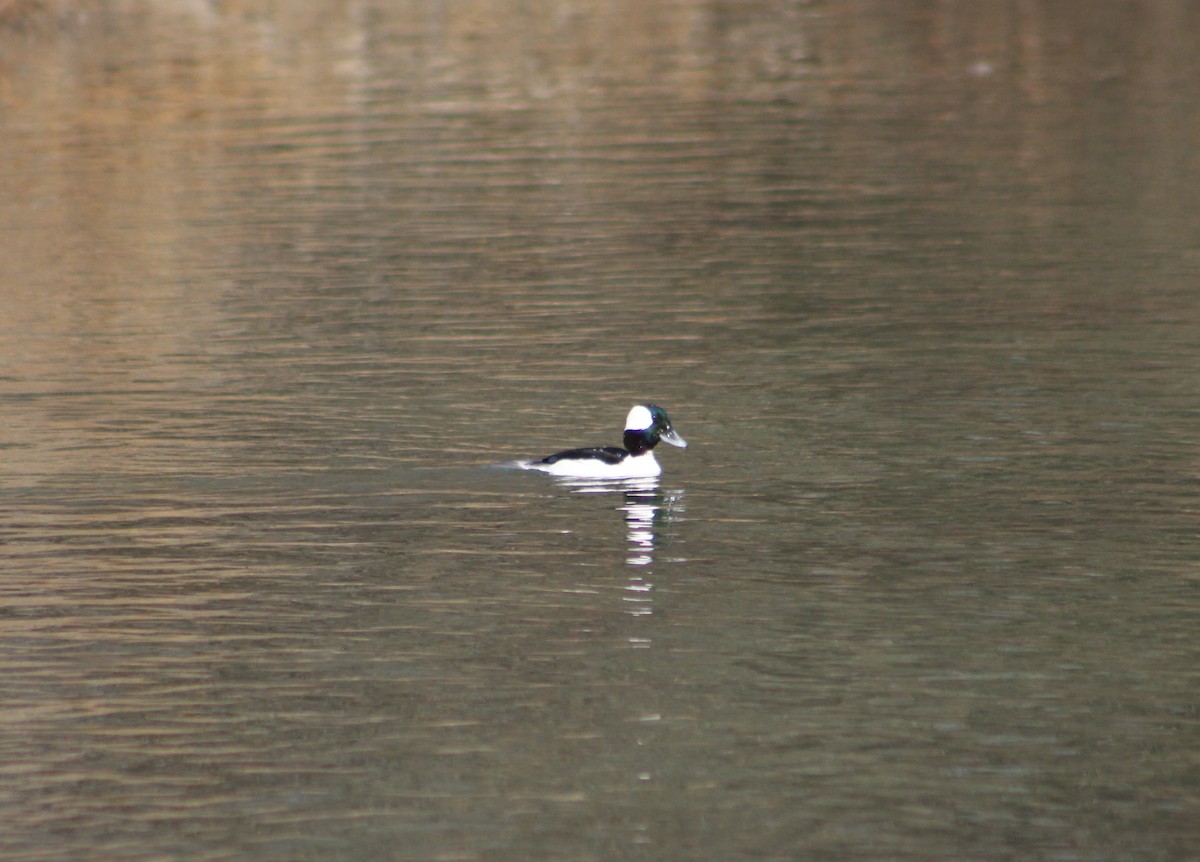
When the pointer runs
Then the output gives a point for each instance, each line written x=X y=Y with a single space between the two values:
x=639 y=419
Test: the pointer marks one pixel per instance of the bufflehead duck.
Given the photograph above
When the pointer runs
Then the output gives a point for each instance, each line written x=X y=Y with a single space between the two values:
x=644 y=427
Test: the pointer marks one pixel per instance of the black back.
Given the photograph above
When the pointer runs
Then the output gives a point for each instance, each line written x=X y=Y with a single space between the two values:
x=607 y=454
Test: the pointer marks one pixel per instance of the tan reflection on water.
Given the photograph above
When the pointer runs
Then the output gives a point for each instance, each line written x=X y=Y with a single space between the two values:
x=277 y=279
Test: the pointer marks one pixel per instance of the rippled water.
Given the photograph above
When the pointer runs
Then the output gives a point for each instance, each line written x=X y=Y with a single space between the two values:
x=282 y=287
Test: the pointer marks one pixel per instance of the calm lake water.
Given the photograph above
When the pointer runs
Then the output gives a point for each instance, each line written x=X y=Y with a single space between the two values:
x=282 y=284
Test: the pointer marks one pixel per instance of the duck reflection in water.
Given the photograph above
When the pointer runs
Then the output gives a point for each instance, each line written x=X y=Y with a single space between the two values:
x=648 y=509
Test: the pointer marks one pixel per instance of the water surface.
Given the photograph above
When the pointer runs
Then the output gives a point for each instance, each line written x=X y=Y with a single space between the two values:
x=282 y=286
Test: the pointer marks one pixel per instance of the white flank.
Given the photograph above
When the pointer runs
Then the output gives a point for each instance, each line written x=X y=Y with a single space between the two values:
x=639 y=467
x=639 y=419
